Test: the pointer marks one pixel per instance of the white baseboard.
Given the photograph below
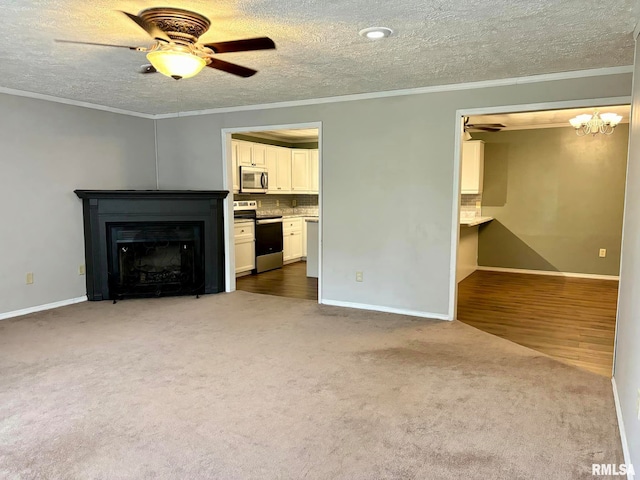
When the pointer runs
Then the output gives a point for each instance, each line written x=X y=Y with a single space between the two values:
x=380 y=308
x=39 y=308
x=592 y=276
x=623 y=435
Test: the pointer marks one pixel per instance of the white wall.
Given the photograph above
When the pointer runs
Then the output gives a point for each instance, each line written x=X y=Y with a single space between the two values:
x=627 y=356
x=387 y=180
x=47 y=150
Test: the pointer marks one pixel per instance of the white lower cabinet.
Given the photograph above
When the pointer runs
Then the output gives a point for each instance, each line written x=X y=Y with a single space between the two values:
x=245 y=246
x=292 y=239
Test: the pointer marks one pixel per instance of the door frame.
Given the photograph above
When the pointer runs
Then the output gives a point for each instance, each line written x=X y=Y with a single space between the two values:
x=457 y=171
x=230 y=260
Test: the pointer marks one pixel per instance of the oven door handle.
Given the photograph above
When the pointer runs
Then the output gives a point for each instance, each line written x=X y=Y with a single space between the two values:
x=269 y=220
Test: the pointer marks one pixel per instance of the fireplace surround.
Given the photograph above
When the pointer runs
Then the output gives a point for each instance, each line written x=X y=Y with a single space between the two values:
x=141 y=243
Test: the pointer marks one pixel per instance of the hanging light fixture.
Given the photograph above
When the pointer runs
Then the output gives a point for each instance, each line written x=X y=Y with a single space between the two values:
x=176 y=61
x=586 y=124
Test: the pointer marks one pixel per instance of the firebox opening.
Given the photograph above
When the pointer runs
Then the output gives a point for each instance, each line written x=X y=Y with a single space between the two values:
x=155 y=259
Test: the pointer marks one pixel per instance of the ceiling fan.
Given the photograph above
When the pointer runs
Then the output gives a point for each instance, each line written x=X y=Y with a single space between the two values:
x=485 y=127
x=176 y=52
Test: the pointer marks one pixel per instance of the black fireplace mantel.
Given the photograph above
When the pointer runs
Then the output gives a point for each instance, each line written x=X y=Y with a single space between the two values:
x=102 y=208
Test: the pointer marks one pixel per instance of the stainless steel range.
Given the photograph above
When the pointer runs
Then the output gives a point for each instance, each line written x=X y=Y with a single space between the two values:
x=268 y=235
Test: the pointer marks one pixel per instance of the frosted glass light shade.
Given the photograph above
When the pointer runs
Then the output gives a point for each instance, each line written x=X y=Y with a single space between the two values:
x=611 y=118
x=176 y=64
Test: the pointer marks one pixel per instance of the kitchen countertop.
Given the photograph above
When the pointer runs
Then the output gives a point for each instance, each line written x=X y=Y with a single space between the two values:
x=472 y=222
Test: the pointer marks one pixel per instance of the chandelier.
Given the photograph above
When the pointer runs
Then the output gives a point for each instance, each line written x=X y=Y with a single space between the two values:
x=586 y=124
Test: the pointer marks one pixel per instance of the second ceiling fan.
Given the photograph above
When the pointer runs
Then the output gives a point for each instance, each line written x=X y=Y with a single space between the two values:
x=176 y=52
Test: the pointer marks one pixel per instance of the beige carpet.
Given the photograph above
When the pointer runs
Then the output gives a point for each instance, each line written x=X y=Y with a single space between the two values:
x=245 y=386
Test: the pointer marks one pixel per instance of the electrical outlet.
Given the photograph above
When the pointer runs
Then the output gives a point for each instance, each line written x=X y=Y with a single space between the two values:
x=294 y=203
x=359 y=277
x=259 y=203
x=277 y=203
x=603 y=252
x=81 y=269
x=29 y=278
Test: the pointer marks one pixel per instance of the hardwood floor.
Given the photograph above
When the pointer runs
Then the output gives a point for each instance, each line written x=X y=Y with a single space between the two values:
x=288 y=281
x=570 y=319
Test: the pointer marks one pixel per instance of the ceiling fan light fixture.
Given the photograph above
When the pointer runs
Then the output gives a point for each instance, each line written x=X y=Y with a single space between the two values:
x=175 y=64
x=376 y=33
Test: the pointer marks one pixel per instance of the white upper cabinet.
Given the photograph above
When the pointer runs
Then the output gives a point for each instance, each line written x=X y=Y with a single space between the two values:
x=472 y=167
x=291 y=170
x=259 y=155
x=278 y=160
x=234 y=166
x=314 y=171
x=250 y=154
x=300 y=170
x=243 y=153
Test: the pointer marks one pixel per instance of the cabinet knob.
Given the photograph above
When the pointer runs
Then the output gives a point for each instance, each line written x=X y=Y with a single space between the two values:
x=241 y=231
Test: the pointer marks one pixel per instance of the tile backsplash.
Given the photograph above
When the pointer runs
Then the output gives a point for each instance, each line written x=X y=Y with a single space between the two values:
x=283 y=204
x=470 y=205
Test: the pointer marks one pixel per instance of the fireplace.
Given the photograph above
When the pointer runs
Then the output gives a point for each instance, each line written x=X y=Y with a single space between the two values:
x=154 y=259
x=142 y=243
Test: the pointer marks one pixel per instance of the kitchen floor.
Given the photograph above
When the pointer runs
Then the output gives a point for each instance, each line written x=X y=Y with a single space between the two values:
x=570 y=319
x=289 y=281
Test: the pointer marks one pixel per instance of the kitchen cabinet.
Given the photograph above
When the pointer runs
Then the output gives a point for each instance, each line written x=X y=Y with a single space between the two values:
x=234 y=166
x=313 y=241
x=278 y=162
x=292 y=239
x=314 y=171
x=472 y=167
x=249 y=154
x=304 y=238
x=245 y=247
x=299 y=170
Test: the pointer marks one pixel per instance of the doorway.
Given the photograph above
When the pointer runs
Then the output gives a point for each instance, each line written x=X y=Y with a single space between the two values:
x=539 y=237
x=275 y=241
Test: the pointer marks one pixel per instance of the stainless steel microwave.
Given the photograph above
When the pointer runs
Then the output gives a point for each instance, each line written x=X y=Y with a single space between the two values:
x=253 y=180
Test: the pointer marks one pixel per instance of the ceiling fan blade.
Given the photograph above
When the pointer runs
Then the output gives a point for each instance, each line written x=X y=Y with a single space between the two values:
x=487 y=129
x=246 y=45
x=231 y=68
x=148 y=27
x=140 y=49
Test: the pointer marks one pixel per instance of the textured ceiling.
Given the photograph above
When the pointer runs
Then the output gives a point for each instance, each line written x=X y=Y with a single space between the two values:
x=319 y=51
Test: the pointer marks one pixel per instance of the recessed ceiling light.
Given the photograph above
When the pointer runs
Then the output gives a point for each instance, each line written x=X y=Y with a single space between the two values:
x=376 y=33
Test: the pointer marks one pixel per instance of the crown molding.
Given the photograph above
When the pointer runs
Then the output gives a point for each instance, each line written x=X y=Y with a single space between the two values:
x=548 y=77
x=75 y=103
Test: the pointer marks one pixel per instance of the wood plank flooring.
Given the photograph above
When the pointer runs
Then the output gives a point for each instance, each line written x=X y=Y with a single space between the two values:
x=288 y=281
x=570 y=319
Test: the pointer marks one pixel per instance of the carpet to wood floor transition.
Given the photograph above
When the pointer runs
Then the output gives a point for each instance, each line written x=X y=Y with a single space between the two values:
x=247 y=386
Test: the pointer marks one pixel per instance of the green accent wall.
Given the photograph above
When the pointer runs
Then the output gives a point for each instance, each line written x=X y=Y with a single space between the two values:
x=277 y=143
x=556 y=199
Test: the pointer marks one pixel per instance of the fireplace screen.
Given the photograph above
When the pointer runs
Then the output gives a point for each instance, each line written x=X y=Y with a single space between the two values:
x=155 y=259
